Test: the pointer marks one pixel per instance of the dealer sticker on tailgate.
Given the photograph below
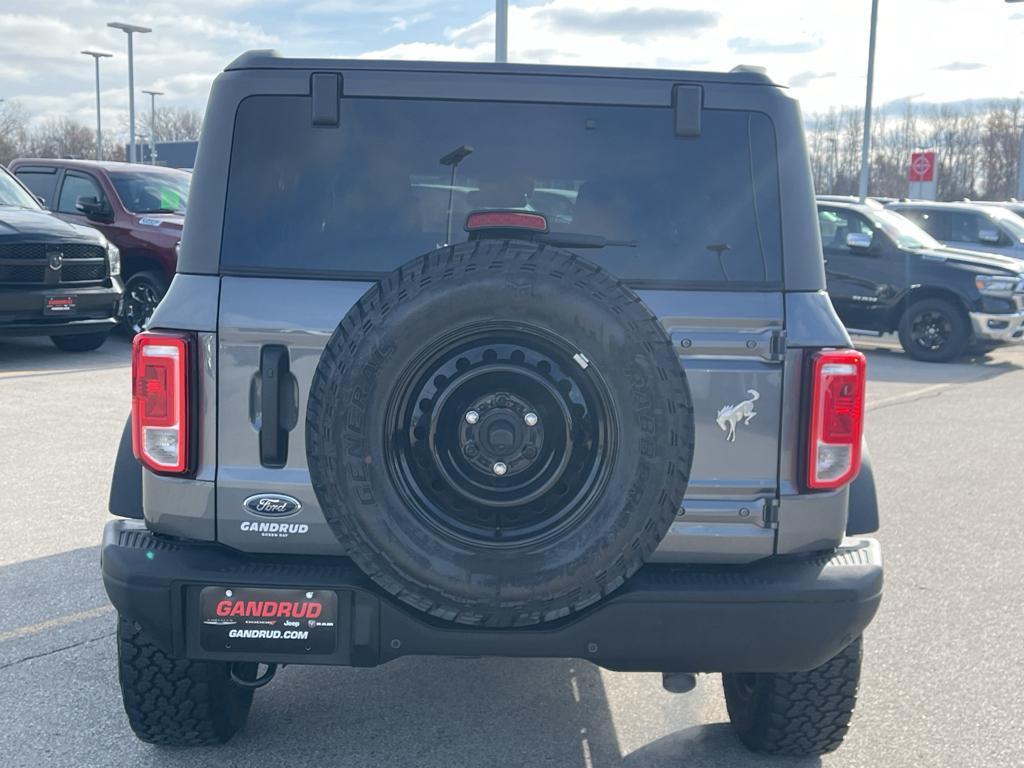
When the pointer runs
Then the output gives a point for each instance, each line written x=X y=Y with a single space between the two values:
x=267 y=620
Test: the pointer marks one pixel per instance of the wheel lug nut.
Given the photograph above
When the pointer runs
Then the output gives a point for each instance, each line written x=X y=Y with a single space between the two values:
x=500 y=468
x=530 y=452
x=472 y=417
x=470 y=450
x=531 y=419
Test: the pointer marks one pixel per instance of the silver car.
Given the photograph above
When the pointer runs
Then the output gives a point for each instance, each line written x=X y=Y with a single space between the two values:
x=975 y=227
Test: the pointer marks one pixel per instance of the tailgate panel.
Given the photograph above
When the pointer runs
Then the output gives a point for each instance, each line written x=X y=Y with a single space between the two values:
x=725 y=354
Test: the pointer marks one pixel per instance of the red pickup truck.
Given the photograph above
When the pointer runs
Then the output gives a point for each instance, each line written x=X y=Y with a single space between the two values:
x=139 y=208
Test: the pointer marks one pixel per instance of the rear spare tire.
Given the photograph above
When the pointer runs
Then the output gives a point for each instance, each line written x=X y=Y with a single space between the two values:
x=499 y=433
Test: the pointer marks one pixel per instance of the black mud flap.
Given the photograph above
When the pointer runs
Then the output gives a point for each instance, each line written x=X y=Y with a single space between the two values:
x=863 y=517
x=126 y=483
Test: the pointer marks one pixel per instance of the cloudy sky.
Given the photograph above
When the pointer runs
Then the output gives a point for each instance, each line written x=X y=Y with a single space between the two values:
x=929 y=50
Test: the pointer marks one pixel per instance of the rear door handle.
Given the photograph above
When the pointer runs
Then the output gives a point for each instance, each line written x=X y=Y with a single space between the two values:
x=277 y=407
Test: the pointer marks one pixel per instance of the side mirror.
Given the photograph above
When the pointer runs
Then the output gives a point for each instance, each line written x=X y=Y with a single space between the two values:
x=858 y=240
x=40 y=199
x=989 y=236
x=93 y=209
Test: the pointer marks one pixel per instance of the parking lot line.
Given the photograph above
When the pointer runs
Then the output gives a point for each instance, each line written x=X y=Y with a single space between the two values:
x=57 y=372
x=59 y=621
x=911 y=395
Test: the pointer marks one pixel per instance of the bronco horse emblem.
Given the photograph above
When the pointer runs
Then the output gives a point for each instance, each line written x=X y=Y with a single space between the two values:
x=731 y=415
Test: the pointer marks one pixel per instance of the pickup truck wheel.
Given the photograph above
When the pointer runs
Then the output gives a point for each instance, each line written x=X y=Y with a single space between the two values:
x=934 y=330
x=176 y=702
x=499 y=433
x=142 y=293
x=80 y=342
x=795 y=713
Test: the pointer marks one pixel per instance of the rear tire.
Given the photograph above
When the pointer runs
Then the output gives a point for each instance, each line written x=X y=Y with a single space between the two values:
x=795 y=713
x=82 y=342
x=934 y=331
x=176 y=702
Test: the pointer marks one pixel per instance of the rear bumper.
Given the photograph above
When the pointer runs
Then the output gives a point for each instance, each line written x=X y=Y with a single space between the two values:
x=1001 y=328
x=780 y=614
x=21 y=310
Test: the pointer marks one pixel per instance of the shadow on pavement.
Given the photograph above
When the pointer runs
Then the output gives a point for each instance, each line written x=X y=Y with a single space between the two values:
x=705 y=745
x=893 y=365
x=445 y=713
x=36 y=355
x=60 y=685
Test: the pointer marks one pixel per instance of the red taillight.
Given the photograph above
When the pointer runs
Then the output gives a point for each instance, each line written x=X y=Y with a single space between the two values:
x=506 y=220
x=160 y=414
x=837 y=417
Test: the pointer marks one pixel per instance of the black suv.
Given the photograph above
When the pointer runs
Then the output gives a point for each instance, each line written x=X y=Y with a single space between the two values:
x=887 y=274
x=56 y=279
x=494 y=360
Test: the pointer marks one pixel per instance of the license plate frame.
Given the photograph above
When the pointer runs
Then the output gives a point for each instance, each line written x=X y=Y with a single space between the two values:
x=60 y=304
x=267 y=620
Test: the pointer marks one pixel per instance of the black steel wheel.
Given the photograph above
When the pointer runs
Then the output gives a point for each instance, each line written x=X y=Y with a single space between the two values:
x=142 y=294
x=499 y=433
x=934 y=330
x=502 y=437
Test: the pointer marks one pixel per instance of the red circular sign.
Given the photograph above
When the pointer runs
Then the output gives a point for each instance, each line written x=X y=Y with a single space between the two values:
x=922 y=166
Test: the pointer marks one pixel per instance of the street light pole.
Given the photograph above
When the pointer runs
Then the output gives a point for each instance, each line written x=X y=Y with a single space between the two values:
x=97 y=55
x=1020 y=155
x=152 y=124
x=129 y=29
x=1020 y=165
x=866 y=148
x=501 y=31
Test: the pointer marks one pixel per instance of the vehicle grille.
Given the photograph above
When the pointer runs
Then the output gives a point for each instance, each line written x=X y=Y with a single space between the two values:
x=28 y=264
x=83 y=251
x=23 y=251
x=82 y=273
x=22 y=273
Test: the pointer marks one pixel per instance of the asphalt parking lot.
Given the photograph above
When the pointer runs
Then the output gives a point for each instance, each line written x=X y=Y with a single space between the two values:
x=943 y=671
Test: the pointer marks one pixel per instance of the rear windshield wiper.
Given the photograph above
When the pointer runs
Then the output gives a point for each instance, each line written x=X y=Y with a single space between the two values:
x=577 y=240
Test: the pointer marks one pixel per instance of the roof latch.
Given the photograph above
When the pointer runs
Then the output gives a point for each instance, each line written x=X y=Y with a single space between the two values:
x=688 y=102
x=326 y=90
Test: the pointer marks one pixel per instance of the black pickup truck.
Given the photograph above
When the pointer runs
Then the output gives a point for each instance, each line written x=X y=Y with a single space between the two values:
x=57 y=279
x=886 y=274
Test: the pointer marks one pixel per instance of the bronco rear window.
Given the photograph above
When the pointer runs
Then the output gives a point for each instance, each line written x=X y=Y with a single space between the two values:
x=396 y=175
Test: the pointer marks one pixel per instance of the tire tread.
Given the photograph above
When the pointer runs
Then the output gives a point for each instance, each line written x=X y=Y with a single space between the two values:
x=176 y=702
x=798 y=713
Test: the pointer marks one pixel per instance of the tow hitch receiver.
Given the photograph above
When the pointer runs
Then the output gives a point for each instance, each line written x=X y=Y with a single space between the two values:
x=240 y=674
x=678 y=682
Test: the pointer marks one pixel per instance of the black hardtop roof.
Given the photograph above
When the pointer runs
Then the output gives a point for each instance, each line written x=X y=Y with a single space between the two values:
x=269 y=59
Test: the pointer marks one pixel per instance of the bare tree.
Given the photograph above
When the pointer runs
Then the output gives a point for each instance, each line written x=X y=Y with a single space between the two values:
x=1000 y=150
x=177 y=124
x=13 y=130
x=977 y=149
x=61 y=137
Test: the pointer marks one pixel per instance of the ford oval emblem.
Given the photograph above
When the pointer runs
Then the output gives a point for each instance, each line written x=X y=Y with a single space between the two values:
x=272 y=505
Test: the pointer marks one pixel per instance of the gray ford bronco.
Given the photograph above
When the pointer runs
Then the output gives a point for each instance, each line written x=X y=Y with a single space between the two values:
x=496 y=360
